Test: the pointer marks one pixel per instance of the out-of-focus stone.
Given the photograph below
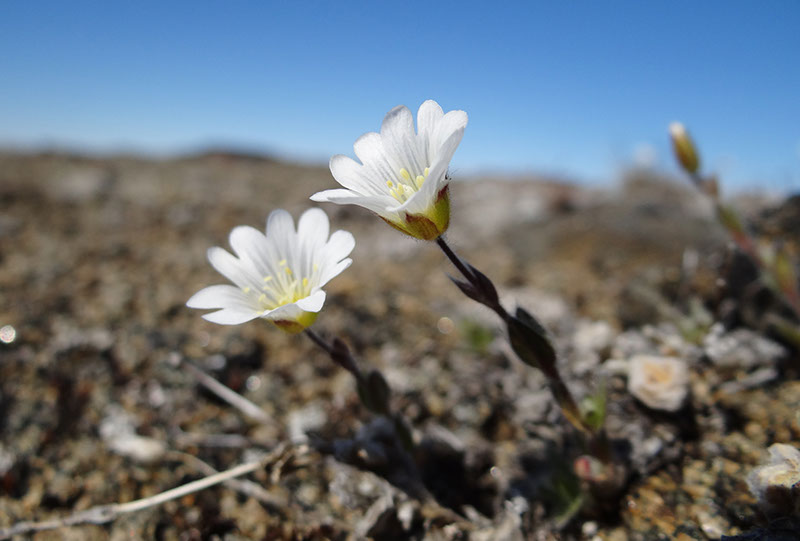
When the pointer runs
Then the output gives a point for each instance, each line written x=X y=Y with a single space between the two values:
x=776 y=484
x=593 y=336
x=118 y=432
x=304 y=420
x=661 y=383
x=741 y=349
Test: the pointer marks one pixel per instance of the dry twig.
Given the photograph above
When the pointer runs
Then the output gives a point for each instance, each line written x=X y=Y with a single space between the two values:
x=103 y=514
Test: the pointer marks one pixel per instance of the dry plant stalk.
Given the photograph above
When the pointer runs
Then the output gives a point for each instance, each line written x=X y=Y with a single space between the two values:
x=103 y=514
x=775 y=265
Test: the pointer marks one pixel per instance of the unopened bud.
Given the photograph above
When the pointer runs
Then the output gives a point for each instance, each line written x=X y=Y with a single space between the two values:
x=374 y=392
x=684 y=148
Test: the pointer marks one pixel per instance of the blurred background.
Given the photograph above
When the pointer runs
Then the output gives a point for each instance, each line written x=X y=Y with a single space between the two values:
x=136 y=135
x=575 y=90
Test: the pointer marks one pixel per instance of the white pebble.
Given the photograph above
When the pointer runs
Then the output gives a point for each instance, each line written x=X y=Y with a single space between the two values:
x=661 y=383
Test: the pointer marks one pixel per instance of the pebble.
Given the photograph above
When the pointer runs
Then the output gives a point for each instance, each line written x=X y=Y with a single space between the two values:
x=741 y=349
x=776 y=484
x=119 y=434
x=303 y=420
x=661 y=383
x=594 y=336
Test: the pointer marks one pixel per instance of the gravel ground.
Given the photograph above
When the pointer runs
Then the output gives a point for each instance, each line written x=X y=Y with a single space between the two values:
x=99 y=402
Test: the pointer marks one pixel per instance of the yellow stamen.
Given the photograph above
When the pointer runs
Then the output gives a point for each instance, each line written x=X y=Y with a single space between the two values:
x=282 y=262
x=246 y=289
x=408 y=185
x=305 y=282
x=288 y=270
x=268 y=278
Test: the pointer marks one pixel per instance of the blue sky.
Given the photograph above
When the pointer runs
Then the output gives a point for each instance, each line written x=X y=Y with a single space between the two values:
x=577 y=88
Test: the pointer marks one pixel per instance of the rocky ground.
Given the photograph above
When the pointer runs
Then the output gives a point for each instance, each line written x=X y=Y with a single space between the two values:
x=99 y=403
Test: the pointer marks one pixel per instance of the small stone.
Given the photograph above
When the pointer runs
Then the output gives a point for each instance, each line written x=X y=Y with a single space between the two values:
x=661 y=383
x=741 y=348
x=594 y=336
x=7 y=460
x=776 y=485
x=119 y=434
x=139 y=448
x=631 y=342
x=301 y=421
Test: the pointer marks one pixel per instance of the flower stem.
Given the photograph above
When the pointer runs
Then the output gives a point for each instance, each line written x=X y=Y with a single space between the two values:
x=743 y=237
x=487 y=295
x=531 y=343
x=317 y=339
x=481 y=289
x=457 y=261
x=373 y=390
x=338 y=352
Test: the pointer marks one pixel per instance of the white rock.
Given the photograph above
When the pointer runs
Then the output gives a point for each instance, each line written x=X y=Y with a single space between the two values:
x=592 y=336
x=139 y=448
x=307 y=419
x=741 y=348
x=118 y=431
x=776 y=484
x=661 y=383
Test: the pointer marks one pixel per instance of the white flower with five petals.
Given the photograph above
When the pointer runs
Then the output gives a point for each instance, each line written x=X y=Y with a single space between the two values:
x=278 y=277
x=402 y=176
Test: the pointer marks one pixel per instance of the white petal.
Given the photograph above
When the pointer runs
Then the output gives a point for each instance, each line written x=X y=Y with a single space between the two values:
x=280 y=225
x=229 y=316
x=221 y=296
x=437 y=175
x=281 y=239
x=340 y=245
x=428 y=117
x=379 y=166
x=286 y=312
x=426 y=196
x=250 y=245
x=235 y=270
x=398 y=126
x=328 y=196
x=368 y=147
x=351 y=175
x=447 y=150
x=376 y=203
x=313 y=227
x=451 y=123
x=400 y=141
x=399 y=122
x=312 y=303
x=331 y=271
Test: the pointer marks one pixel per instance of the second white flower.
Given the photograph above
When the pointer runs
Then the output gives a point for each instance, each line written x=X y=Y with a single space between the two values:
x=402 y=176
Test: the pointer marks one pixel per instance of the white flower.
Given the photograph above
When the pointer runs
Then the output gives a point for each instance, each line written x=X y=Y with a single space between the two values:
x=402 y=176
x=278 y=277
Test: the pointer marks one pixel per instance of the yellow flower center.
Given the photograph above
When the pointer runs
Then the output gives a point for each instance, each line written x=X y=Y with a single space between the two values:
x=406 y=185
x=284 y=288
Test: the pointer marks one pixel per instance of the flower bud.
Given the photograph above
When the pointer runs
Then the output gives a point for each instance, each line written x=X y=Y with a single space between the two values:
x=428 y=225
x=685 y=150
x=374 y=392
